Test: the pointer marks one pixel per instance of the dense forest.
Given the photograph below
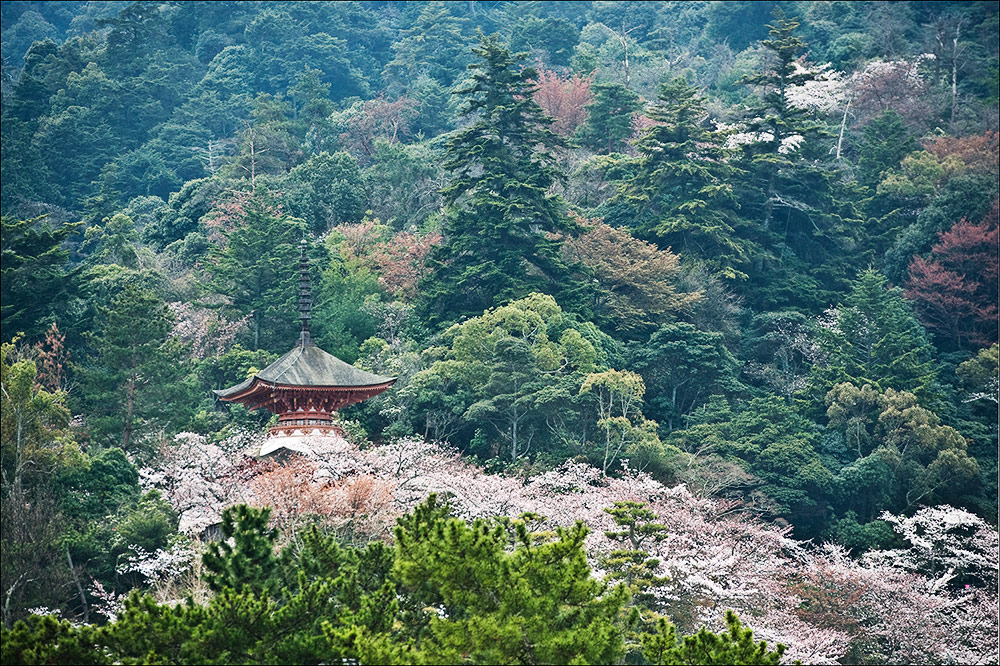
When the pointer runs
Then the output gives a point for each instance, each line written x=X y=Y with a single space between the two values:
x=693 y=308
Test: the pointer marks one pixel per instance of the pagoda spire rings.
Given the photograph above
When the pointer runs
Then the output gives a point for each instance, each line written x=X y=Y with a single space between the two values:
x=305 y=297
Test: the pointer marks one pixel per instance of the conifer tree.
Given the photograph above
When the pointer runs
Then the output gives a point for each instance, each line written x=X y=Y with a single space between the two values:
x=735 y=646
x=807 y=234
x=255 y=269
x=682 y=192
x=609 y=118
x=884 y=144
x=501 y=223
x=874 y=338
x=631 y=563
x=433 y=46
x=134 y=382
x=32 y=278
x=250 y=559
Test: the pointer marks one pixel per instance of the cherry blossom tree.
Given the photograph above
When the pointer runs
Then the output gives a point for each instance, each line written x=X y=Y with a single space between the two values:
x=933 y=601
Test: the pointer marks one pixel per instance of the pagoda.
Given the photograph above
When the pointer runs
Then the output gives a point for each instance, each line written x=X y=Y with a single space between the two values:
x=305 y=386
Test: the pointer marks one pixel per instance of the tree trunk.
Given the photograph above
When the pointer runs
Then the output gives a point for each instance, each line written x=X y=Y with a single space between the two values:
x=954 y=76
x=843 y=124
x=129 y=412
x=79 y=589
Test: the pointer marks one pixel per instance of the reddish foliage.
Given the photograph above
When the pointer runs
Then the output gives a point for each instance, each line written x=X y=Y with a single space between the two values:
x=292 y=492
x=892 y=85
x=401 y=261
x=564 y=99
x=955 y=288
x=978 y=152
x=377 y=119
x=52 y=358
x=229 y=211
x=641 y=123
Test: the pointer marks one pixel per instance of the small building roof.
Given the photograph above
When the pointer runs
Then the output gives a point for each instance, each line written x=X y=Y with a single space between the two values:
x=308 y=366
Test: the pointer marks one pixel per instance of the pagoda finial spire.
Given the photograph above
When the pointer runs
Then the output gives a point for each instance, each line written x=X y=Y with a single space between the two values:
x=305 y=296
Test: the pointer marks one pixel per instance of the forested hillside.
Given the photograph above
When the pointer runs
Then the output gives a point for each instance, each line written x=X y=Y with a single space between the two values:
x=717 y=279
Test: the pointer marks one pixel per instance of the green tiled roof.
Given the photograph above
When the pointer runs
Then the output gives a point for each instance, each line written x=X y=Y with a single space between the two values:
x=308 y=365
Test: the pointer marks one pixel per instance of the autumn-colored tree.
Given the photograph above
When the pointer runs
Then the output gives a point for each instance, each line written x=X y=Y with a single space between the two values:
x=364 y=122
x=52 y=357
x=954 y=289
x=978 y=152
x=400 y=261
x=637 y=282
x=564 y=99
x=896 y=85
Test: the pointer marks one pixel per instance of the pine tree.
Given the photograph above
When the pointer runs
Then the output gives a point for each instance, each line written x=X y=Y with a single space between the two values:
x=250 y=559
x=501 y=224
x=609 y=118
x=885 y=142
x=807 y=234
x=134 y=382
x=535 y=603
x=255 y=269
x=681 y=194
x=734 y=647
x=874 y=338
x=33 y=277
x=631 y=563
x=432 y=46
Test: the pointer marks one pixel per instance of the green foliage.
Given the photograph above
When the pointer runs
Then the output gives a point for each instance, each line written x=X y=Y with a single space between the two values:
x=468 y=597
x=498 y=229
x=198 y=140
x=32 y=423
x=46 y=640
x=434 y=45
x=874 y=338
x=134 y=383
x=629 y=563
x=734 y=646
x=886 y=142
x=446 y=592
x=619 y=400
x=334 y=191
x=609 y=118
x=34 y=278
x=777 y=446
x=681 y=192
x=254 y=269
x=902 y=453
x=806 y=228
x=682 y=367
x=250 y=560
x=507 y=372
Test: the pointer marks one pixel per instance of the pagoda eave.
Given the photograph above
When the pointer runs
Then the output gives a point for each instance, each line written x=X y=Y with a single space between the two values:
x=281 y=398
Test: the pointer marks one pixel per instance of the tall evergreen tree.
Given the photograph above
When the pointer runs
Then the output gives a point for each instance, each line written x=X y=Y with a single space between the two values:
x=609 y=118
x=135 y=380
x=33 y=277
x=874 y=338
x=682 y=194
x=256 y=270
x=502 y=223
x=806 y=230
x=433 y=46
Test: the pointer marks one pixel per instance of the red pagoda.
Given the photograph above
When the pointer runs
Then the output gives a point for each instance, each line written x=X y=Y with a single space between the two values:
x=305 y=386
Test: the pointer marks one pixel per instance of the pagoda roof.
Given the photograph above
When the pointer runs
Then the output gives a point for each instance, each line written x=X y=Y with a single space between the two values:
x=308 y=366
